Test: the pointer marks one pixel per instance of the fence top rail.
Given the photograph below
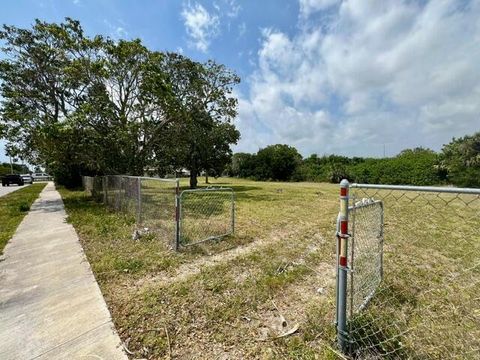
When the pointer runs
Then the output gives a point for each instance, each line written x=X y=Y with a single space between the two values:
x=148 y=178
x=159 y=179
x=208 y=189
x=365 y=204
x=451 y=190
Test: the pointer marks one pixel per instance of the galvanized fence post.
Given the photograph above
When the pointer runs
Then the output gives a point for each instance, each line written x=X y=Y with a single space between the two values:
x=139 y=201
x=342 y=270
x=177 y=215
x=382 y=222
x=233 y=212
x=104 y=186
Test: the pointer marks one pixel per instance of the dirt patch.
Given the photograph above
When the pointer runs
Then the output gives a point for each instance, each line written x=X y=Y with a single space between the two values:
x=183 y=272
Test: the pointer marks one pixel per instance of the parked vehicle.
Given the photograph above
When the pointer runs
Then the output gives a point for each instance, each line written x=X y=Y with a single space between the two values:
x=12 y=179
x=41 y=177
x=27 y=178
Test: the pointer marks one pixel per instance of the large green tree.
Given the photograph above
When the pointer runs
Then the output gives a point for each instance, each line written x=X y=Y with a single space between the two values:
x=203 y=111
x=243 y=165
x=461 y=160
x=126 y=108
x=277 y=162
x=44 y=79
x=93 y=105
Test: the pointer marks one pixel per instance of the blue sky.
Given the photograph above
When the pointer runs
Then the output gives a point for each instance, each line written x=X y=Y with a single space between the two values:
x=326 y=76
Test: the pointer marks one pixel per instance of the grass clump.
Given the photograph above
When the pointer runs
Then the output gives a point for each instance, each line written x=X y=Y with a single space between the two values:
x=24 y=207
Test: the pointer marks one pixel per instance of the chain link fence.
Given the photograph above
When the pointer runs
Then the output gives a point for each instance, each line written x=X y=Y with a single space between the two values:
x=414 y=294
x=88 y=184
x=151 y=200
x=122 y=193
x=186 y=218
x=205 y=214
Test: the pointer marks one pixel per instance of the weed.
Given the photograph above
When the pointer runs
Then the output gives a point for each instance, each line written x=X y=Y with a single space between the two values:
x=24 y=207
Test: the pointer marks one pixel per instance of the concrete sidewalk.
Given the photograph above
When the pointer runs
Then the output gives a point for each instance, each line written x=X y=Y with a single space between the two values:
x=4 y=190
x=50 y=304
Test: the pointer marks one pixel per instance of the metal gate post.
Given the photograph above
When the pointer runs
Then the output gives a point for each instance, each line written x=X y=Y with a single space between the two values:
x=342 y=251
x=233 y=212
x=177 y=216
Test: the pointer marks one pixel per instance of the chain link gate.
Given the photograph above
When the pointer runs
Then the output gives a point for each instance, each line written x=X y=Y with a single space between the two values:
x=366 y=253
x=184 y=219
x=158 y=207
x=426 y=303
x=205 y=214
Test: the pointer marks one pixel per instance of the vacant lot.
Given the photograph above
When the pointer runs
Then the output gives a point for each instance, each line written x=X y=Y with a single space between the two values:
x=13 y=208
x=238 y=297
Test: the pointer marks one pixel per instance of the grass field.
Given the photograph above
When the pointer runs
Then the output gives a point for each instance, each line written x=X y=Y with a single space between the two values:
x=236 y=298
x=13 y=208
x=427 y=305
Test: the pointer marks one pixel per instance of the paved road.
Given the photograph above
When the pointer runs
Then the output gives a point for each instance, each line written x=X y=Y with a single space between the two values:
x=50 y=304
x=4 y=190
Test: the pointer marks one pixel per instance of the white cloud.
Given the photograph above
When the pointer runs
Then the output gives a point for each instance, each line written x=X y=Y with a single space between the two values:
x=201 y=26
x=398 y=72
x=308 y=7
x=116 y=31
x=232 y=8
x=242 y=29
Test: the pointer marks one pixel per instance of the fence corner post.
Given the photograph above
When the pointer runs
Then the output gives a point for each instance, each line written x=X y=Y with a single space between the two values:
x=342 y=268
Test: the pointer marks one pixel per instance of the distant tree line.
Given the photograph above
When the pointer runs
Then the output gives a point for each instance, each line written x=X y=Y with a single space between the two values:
x=82 y=105
x=5 y=169
x=458 y=164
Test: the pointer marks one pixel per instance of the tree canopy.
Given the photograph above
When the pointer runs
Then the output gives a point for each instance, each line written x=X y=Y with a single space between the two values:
x=460 y=159
x=6 y=168
x=82 y=105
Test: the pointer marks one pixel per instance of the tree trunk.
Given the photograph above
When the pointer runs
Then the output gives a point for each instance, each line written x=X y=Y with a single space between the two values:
x=193 y=168
x=193 y=179
x=206 y=177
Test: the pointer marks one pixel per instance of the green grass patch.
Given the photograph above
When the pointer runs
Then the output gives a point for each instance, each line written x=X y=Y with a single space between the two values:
x=13 y=207
x=107 y=239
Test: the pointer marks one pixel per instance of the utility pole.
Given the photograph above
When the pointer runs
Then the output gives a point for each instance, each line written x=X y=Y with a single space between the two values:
x=383 y=149
x=11 y=165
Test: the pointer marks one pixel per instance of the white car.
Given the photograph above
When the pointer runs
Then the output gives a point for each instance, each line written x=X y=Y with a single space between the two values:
x=41 y=177
x=27 y=178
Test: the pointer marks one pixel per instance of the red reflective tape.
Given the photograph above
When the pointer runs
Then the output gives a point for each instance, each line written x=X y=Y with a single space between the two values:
x=344 y=227
x=343 y=191
x=343 y=261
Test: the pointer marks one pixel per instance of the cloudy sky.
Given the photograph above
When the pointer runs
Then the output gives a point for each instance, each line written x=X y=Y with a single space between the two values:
x=326 y=76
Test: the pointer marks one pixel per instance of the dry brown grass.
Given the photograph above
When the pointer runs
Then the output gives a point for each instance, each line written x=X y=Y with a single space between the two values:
x=227 y=299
